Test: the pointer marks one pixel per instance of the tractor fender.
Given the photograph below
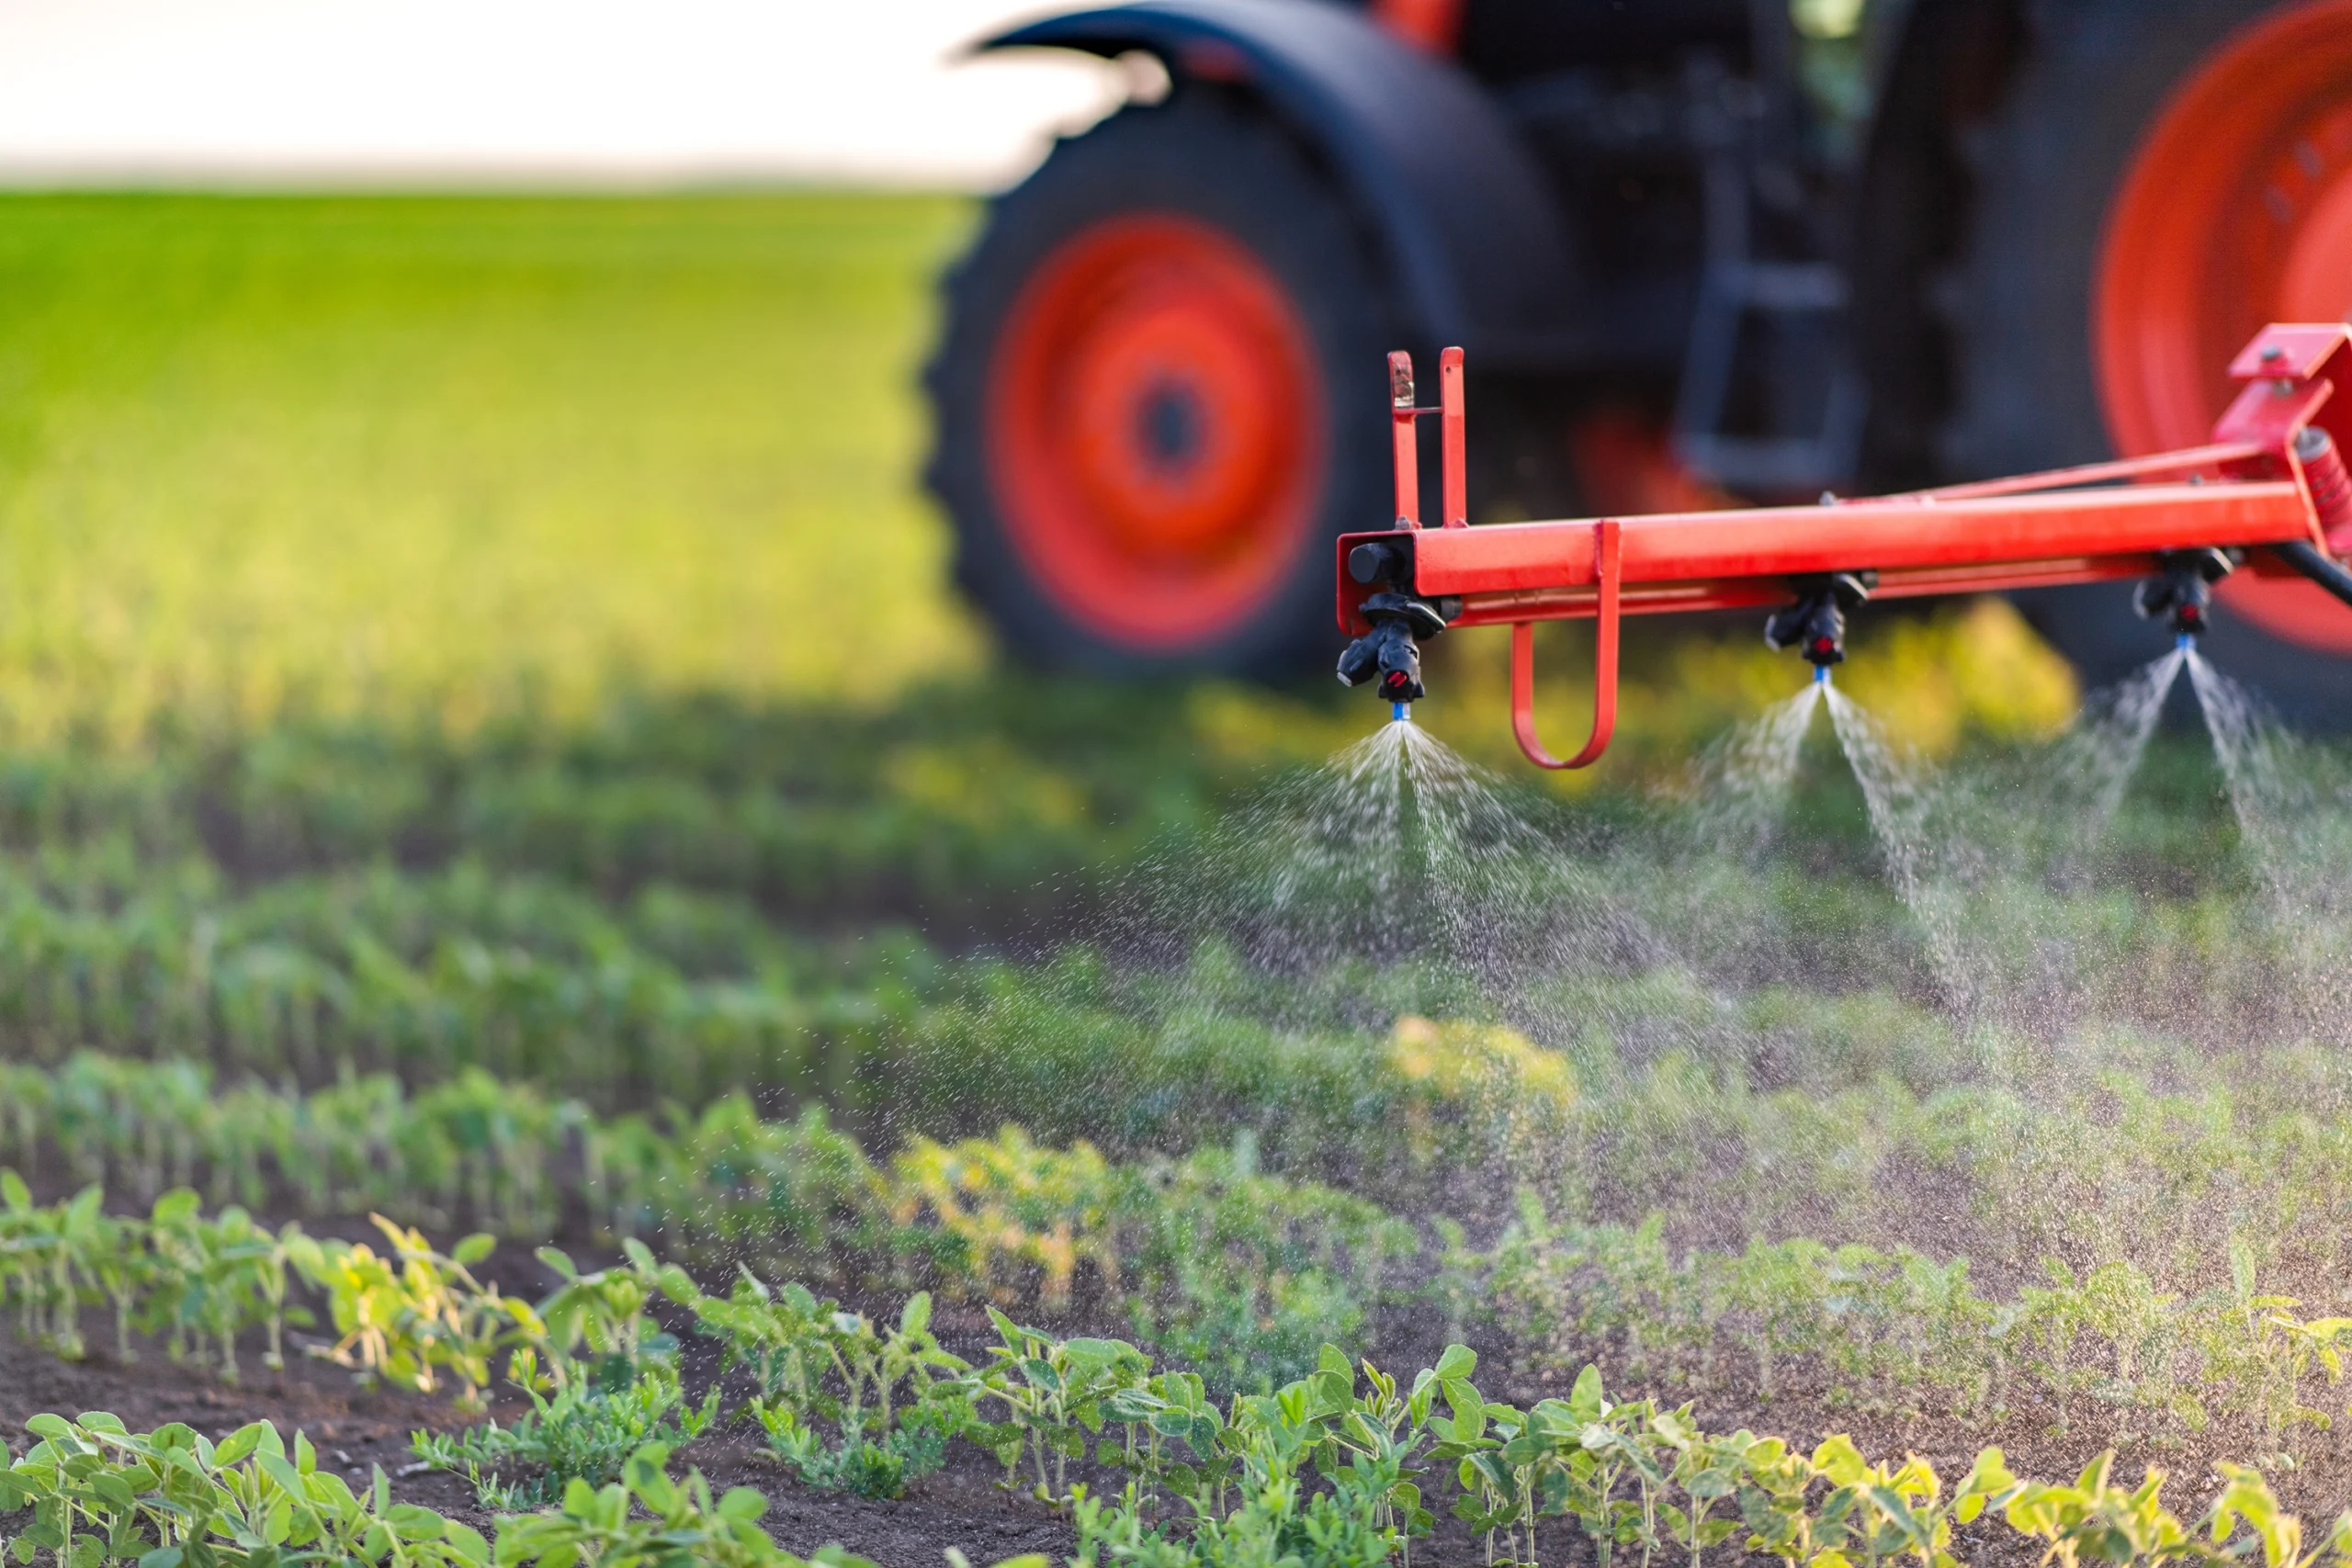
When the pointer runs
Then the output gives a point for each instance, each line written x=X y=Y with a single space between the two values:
x=1481 y=252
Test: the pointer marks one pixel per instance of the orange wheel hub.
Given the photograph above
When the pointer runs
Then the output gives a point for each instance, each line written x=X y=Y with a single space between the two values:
x=2237 y=211
x=1154 y=430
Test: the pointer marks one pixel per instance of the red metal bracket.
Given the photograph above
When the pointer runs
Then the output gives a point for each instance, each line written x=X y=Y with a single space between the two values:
x=1607 y=561
x=1456 y=512
x=1401 y=415
x=2272 y=485
x=1454 y=508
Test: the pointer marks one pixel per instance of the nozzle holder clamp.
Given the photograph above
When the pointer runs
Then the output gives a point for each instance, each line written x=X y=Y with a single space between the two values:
x=1816 y=625
x=2182 y=588
x=1391 y=651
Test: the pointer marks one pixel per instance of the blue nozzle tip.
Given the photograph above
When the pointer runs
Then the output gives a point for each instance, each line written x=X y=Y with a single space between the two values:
x=1821 y=674
x=2184 y=642
x=1400 y=713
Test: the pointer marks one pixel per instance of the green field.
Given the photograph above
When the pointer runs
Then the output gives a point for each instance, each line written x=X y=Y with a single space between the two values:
x=372 y=453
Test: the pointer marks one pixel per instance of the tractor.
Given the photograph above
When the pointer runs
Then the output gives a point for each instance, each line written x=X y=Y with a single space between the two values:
x=1696 y=250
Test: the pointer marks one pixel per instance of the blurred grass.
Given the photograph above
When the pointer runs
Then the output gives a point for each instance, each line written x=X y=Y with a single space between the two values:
x=462 y=453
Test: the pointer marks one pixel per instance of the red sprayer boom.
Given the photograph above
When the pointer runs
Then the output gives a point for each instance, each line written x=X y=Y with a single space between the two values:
x=2269 y=495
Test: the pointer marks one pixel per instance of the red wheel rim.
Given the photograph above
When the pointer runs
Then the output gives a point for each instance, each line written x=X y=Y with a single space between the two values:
x=2237 y=211
x=1155 y=430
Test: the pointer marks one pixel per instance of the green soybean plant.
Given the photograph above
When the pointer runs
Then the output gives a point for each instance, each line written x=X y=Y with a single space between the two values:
x=586 y=1431
x=1054 y=1395
x=892 y=1396
x=412 y=1316
x=101 y=1493
x=1878 y=1514
x=605 y=1311
x=645 y=1518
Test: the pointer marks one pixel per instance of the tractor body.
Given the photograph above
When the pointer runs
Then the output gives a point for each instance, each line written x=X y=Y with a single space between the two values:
x=1700 y=252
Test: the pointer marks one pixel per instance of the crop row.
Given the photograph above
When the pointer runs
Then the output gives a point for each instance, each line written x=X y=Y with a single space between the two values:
x=1234 y=1271
x=684 y=996
x=427 y=975
x=986 y=1045
x=1773 y=1111
x=1342 y=1466
x=937 y=801
x=1899 y=1331
x=2091 y=1151
x=938 y=805
x=674 y=995
x=1235 y=1266
x=98 y=1493
x=1346 y=1466
x=1693 y=1097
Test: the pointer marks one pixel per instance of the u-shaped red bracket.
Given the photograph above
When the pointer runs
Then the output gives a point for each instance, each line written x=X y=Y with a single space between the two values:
x=1607 y=551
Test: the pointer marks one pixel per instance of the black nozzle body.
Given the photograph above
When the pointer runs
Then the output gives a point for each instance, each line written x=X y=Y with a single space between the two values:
x=1381 y=560
x=1816 y=625
x=1390 y=653
x=2182 y=588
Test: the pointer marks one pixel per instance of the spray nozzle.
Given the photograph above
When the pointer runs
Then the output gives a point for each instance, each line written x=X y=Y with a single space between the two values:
x=1816 y=625
x=2181 y=590
x=1390 y=653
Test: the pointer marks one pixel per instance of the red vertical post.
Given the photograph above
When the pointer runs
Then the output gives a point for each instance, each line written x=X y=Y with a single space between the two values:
x=1456 y=511
x=1401 y=414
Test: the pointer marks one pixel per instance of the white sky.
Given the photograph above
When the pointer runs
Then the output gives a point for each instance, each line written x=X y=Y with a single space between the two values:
x=342 y=92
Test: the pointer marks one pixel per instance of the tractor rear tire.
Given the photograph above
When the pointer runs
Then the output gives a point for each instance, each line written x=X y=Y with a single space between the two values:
x=2073 y=151
x=1159 y=396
